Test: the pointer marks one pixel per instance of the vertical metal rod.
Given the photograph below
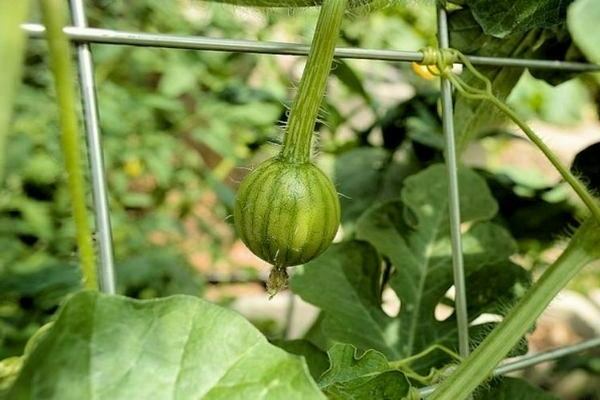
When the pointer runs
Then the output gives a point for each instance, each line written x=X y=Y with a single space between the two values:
x=453 y=196
x=92 y=129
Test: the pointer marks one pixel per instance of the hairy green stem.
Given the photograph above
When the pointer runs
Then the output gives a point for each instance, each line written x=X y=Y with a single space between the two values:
x=583 y=248
x=305 y=109
x=487 y=94
x=53 y=14
x=12 y=46
x=579 y=188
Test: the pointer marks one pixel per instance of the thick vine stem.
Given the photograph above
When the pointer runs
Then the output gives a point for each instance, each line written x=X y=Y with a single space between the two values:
x=583 y=248
x=12 y=37
x=303 y=115
x=62 y=70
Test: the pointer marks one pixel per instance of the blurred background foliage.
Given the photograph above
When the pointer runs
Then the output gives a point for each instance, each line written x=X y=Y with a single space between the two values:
x=180 y=129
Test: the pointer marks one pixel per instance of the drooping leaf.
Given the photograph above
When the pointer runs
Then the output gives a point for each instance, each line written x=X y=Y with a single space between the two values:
x=315 y=358
x=501 y=18
x=475 y=118
x=365 y=176
x=413 y=233
x=358 y=175
x=361 y=377
x=528 y=210
x=582 y=19
x=561 y=105
x=416 y=118
x=111 y=347
x=512 y=389
x=348 y=291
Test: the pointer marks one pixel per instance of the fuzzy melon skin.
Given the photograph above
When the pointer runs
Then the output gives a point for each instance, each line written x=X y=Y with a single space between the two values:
x=287 y=214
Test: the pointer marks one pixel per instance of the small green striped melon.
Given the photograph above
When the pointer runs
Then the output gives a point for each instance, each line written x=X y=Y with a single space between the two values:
x=287 y=214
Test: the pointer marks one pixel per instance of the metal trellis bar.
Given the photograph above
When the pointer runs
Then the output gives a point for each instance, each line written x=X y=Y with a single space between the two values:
x=89 y=104
x=529 y=360
x=107 y=36
x=460 y=296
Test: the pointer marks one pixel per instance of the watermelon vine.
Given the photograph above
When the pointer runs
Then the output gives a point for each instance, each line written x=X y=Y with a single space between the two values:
x=287 y=211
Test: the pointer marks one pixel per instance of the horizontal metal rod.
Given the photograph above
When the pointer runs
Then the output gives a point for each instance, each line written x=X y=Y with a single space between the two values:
x=523 y=362
x=107 y=36
x=533 y=359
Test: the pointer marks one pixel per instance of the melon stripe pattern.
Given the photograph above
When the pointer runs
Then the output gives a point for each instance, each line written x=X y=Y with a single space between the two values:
x=294 y=215
x=287 y=210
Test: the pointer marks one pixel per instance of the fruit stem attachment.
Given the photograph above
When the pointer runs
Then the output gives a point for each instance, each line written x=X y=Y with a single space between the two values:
x=60 y=62
x=305 y=108
x=582 y=249
x=278 y=280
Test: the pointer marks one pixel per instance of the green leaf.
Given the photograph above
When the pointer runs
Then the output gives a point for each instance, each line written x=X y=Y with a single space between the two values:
x=111 y=347
x=315 y=358
x=358 y=177
x=351 y=299
x=562 y=104
x=501 y=18
x=475 y=118
x=413 y=233
x=367 y=376
x=512 y=389
x=582 y=20
x=365 y=176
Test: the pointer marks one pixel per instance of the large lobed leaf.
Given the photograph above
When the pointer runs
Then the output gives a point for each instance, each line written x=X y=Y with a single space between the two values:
x=503 y=17
x=361 y=377
x=413 y=234
x=112 y=347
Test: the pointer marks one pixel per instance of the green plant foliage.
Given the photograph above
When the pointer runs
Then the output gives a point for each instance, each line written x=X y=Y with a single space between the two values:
x=361 y=376
x=512 y=389
x=413 y=234
x=501 y=18
x=582 y=19
x=561 y=105
x=475 y=118
x=110 y=347
x=359 y=177
x=315 y=358
x=175 y=124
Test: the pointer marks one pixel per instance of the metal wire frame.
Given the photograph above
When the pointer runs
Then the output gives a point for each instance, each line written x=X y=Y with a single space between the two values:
x=161 y=40
x=82 y=36
x=87 y=87
x=519 y=363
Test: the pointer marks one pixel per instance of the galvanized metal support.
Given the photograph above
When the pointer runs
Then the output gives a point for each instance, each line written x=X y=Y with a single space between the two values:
x=85 y=67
